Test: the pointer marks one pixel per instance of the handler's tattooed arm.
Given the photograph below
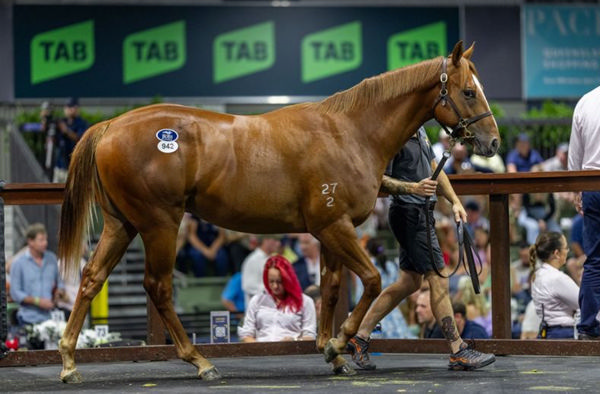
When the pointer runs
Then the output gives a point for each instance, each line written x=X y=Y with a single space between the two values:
x=425 y=187
x=393 y=186
x=449 y=329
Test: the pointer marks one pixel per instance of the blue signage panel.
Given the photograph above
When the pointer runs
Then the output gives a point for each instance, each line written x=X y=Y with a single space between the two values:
x=561 y=50
x=197 y=51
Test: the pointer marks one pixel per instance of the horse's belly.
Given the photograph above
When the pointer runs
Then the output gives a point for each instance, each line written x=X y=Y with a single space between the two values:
x=250 y=214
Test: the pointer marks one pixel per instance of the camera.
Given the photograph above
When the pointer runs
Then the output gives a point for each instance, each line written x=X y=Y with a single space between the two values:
x=48 y=119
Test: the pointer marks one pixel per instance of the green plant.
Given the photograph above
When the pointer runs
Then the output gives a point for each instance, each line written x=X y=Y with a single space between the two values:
x=546 y=135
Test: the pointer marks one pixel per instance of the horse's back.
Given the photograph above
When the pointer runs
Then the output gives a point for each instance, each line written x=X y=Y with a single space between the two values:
x=251 y=173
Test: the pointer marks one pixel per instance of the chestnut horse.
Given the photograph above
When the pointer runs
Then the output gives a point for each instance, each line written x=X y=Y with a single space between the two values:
x=312 y=167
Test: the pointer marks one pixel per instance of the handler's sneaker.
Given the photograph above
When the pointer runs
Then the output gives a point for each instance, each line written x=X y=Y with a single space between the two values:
x=359 y=349
x=467 y=358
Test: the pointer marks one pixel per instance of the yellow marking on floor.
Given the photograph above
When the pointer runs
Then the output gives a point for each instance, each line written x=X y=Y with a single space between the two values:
x=553 y=388
x=255 y=386
x=533 y=371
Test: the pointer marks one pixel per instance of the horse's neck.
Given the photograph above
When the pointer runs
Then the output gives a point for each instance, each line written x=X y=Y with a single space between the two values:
x=390 y=118
x=391 y=124
x=387 y=109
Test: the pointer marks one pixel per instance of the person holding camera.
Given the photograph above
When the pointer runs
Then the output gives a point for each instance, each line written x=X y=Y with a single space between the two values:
x=61 y=137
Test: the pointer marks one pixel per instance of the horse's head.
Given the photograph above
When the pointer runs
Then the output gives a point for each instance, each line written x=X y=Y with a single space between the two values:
x=461 y=107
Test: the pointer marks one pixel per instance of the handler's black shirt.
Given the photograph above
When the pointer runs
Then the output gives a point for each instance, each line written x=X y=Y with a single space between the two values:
x=412 y=164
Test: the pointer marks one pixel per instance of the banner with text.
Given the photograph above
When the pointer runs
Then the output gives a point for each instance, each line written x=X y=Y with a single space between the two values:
x=183 y=51
x=561 y=49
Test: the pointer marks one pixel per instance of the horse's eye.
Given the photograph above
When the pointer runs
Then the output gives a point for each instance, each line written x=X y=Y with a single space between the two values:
x=470 y=94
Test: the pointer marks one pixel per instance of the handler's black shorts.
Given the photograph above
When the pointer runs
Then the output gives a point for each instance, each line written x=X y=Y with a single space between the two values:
x=410 y=229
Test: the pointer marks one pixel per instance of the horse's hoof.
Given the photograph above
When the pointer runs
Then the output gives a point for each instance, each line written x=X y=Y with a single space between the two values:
x=71 y=377
x=330 y=353
x=210 y=374
x=344 y=369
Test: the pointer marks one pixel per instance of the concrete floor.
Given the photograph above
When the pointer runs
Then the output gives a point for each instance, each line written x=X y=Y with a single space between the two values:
x=396 y=373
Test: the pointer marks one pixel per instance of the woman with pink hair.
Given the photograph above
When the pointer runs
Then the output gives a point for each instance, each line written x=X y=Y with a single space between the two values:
x=282 y=312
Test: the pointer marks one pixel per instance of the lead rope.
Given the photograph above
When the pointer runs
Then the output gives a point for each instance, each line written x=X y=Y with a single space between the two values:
x=465 y=244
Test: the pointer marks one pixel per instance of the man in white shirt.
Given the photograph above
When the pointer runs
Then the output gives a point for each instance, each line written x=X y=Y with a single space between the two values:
x=254 y=263
x=584 y=154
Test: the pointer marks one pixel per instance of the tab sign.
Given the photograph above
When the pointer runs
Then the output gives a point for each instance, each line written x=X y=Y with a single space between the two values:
x=62 y=51
x=245 y=51
x=154 y=52
x=332 y=51
x=416 y=45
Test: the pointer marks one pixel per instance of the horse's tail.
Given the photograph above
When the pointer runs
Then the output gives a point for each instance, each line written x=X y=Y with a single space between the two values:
x=81 y=187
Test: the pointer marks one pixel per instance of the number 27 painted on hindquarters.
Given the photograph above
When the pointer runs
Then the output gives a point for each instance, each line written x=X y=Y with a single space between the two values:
x=329 y=189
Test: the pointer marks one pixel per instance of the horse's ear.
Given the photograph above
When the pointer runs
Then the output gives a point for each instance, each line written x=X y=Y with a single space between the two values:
x=469 y=52
x=457 y=53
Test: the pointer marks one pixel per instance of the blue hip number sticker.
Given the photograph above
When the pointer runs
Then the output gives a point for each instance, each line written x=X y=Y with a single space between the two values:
x=167 y=138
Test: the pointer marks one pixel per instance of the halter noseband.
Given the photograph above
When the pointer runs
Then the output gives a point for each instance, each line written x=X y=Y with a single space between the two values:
x=462 y=122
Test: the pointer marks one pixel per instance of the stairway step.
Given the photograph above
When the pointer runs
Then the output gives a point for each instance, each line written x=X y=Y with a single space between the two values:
x=127 y=311
x=127 y=300
x=118 y=290
x=126 y=278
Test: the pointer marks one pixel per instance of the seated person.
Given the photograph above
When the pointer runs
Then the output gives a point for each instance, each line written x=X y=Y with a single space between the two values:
x=283 y=312
x=314 y=292
x=555 y=294
x=424 y=314
x=467 y=329
x=476 y=305
x=232 y=296
x=537 y=214
x=530 y=325
x=34 y=278
x=460 y=163
x=522 y=157
x=205 y=250
x=307 y=267
x=393 y=325
x=520 y=279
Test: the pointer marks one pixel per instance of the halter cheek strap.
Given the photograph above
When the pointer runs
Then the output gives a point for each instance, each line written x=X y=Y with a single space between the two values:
x=443 y=98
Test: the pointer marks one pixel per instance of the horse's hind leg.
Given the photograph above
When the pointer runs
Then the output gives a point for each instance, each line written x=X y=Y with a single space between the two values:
x=160 y=260
x=114 y=240
x=331 y=275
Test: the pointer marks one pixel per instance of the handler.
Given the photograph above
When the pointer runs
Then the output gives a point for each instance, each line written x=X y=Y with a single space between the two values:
x=409 y=185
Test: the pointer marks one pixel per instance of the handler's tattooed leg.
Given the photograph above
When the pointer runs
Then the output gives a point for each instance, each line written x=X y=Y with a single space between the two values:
x=449 y=329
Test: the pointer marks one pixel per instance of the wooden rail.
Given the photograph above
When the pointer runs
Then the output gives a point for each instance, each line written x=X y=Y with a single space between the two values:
x=497 y=186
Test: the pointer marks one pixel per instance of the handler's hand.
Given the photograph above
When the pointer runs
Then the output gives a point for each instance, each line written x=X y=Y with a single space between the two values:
x=426 y=187
x=459 y=212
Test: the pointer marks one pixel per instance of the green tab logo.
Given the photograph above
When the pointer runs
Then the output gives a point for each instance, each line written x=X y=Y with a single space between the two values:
x=332 y=51
x=62 y=51
x=155 y=51
x=413 y=46
x=243 y=51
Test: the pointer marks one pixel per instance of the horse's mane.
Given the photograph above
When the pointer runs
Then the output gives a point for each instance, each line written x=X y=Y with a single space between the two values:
x=383 y=87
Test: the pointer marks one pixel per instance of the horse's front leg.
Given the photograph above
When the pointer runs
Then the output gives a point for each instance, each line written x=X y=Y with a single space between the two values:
x=342 y=247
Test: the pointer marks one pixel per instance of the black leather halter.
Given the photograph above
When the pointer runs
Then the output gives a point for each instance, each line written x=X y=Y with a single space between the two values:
x=443 y=98
x=466 y=251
